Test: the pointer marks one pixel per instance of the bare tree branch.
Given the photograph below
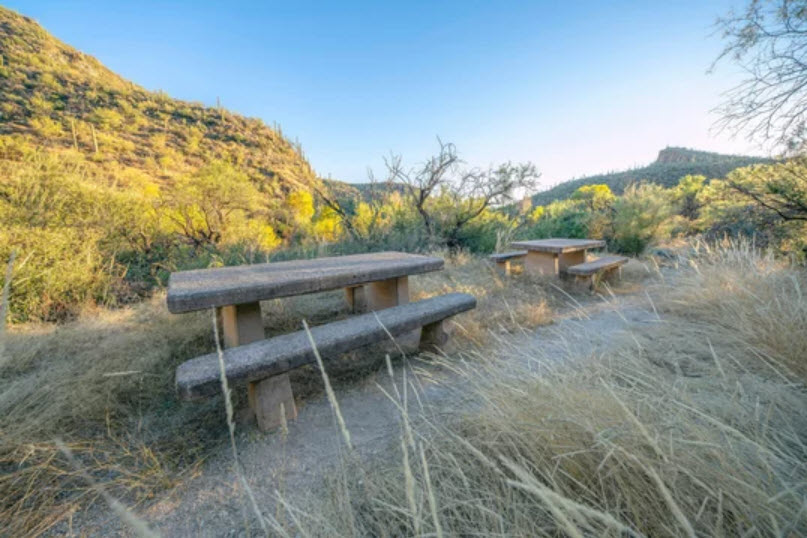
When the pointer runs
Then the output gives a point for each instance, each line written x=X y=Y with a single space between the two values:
x=769 y=42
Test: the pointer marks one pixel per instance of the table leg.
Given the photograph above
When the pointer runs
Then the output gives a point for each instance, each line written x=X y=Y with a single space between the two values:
x=354 y=296
x=241 y=325
x=387 y=293
x=503 y=267
x=567 y=259
x=541 y=263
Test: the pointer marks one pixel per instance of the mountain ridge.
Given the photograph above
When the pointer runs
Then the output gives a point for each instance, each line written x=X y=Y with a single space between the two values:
x=671 y=164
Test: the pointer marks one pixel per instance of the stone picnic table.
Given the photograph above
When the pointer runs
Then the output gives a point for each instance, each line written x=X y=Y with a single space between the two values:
x=553 y=256
x=379 y=280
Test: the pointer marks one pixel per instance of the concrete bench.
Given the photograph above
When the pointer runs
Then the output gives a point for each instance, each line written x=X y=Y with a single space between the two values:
x=260 y=363
x=503 y=259
x=604 y=267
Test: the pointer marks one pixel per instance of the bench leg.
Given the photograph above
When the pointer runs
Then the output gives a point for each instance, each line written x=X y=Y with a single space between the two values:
x=266 y=397
x=612 y=274
x=355 y=299
x=503 y=267
x=241 y=324
x=387 y=293
x=433 y=337
x=584 y=282
x=567 y=259
x=541 y=263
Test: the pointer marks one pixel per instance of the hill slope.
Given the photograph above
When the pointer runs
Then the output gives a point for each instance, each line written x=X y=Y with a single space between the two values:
x=671 y=165
x=58 y=98
x=105 y=187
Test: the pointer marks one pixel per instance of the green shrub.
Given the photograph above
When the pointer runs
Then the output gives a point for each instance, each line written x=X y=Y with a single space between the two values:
x=640 y=217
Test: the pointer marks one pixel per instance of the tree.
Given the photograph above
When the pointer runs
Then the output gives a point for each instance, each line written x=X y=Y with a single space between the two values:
x=204 y=204
x=448 y=196
x=780 y=188
x=596 y=197
x=330 y=200
x=640 y=215
x=769 y=41
x=685 y=195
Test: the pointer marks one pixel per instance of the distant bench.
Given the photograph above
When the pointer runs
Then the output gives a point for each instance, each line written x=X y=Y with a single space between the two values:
x=503 y=260
x=261 y=364
x=604 y=267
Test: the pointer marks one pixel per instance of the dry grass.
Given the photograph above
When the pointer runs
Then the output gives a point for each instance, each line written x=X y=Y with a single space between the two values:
x=104 y=384
x=694 y=425
x=756 y=297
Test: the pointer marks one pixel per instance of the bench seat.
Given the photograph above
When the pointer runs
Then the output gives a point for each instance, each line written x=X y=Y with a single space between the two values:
x=596 y=266
x=502 y=260
x=590 y=273
x=504 y=256
x=253 y=362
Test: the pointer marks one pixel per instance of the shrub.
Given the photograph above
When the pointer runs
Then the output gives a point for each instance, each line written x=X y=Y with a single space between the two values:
x=639 y=217
x=47 y=127
x=107 y=118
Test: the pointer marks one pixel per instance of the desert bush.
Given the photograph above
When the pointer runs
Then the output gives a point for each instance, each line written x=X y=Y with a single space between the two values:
x=639 y=217
x=567 y=218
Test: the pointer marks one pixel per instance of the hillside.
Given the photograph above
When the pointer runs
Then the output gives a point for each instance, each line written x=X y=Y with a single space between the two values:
x=56 y=97
x=106 y=187
x=671 y=165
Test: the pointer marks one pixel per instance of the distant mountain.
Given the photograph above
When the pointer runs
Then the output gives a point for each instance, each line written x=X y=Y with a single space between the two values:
x=58 y=99
x=672 y=164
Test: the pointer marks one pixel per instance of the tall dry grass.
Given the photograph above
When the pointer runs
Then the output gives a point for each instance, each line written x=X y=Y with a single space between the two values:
x=753 y=295
x=692 y=424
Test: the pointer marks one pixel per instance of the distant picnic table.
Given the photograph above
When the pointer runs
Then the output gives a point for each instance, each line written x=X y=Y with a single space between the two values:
x=555 y=256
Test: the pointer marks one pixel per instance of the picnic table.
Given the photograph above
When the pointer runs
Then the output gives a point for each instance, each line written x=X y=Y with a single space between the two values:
x=554 y=256
x=237 y=291
x=380 y=280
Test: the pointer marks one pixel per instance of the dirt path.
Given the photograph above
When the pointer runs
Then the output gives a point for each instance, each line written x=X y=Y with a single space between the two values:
x=212 y=504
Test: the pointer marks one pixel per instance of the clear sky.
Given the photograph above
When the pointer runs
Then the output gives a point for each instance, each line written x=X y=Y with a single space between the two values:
x=576 y=87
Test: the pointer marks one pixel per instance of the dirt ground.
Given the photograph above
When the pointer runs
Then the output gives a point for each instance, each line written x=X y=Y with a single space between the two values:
x=212 y=502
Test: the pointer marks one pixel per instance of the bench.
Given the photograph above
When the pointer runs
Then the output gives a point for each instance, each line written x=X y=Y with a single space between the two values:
x=606 y=266
x=502 y=260
x=260 y=363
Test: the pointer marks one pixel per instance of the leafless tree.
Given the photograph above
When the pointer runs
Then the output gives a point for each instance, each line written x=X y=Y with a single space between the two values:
x=769 y=42
x=465 y=193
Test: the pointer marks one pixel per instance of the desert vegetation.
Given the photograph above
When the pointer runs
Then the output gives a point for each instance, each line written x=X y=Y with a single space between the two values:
x=690 y=422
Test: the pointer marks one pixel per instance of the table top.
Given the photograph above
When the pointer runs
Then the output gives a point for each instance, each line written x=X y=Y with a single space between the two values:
x=205 y=288
x=558 y=245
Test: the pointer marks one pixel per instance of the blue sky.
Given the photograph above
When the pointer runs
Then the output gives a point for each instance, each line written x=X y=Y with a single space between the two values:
x=576 y=87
